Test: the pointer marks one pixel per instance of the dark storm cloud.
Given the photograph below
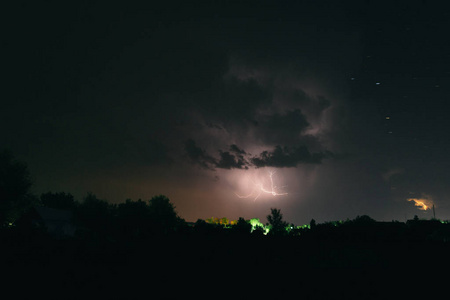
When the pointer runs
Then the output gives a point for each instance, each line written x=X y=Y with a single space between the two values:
x=198 y=155
x=284 y=157
x=230 y=161
x=227 y=160
x=313 y=105
x=234 y=100
x=282 y=128
x=281 y=111
x=214 y=126
x=279 y=157
x=148 y=71
x=236 y=149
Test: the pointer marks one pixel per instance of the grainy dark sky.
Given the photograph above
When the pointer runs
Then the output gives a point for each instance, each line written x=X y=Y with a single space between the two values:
x=344 y=105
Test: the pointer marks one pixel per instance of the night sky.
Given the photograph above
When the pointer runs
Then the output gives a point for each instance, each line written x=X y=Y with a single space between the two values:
x=323 y=109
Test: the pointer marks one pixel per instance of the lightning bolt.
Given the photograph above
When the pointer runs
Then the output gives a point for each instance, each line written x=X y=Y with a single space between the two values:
x=259 y=188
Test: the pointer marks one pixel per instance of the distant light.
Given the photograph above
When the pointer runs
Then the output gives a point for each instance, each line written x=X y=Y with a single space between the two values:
x=353 y=78
x=377 y=83
x=388 y=118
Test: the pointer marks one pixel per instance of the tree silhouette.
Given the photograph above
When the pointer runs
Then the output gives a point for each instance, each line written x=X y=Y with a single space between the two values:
x=15 y=183
x=204 y=228
x=133 y=218
x=275 y=220
x=58 y=200
x=363 y=220
x=242 y=227
x=162 y=214
x=95 y=214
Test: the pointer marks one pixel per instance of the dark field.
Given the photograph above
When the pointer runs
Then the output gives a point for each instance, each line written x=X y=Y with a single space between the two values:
x=224 y=266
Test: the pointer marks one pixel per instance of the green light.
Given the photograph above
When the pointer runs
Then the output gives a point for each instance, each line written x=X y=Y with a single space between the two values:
x=256 y=223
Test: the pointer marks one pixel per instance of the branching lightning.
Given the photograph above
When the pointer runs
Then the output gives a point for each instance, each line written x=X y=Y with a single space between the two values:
x=260 y=188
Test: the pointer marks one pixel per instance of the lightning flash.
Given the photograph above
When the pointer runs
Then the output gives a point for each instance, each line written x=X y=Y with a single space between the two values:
x=260 y=188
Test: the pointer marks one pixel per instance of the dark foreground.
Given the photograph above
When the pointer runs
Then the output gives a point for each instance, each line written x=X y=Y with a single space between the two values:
x=223 y=267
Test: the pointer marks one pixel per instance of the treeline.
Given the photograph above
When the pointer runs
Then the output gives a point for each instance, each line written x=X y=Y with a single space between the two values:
x=99 y=219
x=94 y=217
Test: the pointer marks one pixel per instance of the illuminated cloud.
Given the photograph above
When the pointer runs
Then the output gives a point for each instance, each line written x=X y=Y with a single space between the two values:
x=424 y=203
